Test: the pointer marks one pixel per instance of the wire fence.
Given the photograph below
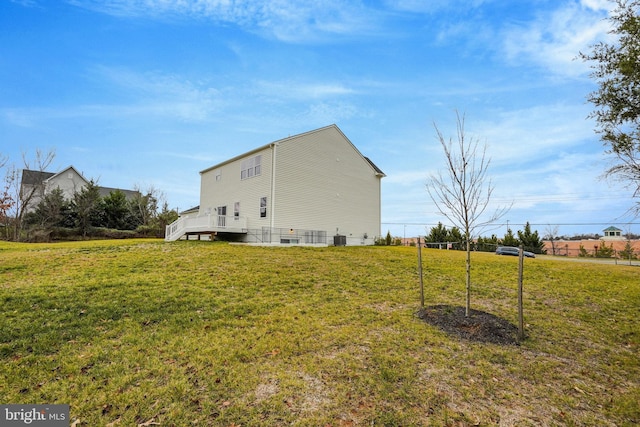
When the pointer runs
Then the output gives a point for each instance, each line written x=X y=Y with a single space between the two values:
x=625 y=250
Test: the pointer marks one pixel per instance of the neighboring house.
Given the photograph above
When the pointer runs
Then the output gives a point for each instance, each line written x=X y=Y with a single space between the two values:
x=312 y=188
x=68 y=180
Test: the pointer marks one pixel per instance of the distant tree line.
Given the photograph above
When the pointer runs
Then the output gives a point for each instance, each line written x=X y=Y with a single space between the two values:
x=442 y=237
x=388 y=240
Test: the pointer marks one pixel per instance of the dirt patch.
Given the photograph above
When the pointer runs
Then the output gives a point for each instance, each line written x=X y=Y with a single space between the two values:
x=479 y=326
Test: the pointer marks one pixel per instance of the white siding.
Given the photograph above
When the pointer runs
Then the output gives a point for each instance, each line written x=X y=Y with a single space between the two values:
x=323 y=183
x=69 y=181
x=229 y=188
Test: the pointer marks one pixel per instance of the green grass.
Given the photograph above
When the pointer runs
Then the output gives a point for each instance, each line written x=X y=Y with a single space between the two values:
x=196 y=333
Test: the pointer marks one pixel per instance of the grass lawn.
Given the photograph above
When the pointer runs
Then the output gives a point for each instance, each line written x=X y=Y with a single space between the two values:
x=143 y=332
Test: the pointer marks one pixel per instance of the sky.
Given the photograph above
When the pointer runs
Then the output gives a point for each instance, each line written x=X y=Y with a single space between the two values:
x=147 y=93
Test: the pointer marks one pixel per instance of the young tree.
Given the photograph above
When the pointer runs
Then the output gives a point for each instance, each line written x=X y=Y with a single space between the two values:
x=144 y=207
x=388 y=239
x=51 y=210
x=23 y=197
x=487 y=244
x=456 y=238
x=616 y=69
x=437 y=234
x=582 y=252
x=6 y=201
x=551 y=234
x=604 y=251
x=6 y=206
x=166 y=217
x=16 y=198
x=510 y=239
x=462 y=194
x=531 y=240
x=85 y=205
x=627 y=252
x=115 y=210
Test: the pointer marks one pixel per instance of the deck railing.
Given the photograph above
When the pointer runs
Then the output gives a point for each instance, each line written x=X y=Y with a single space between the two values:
x=203 y=224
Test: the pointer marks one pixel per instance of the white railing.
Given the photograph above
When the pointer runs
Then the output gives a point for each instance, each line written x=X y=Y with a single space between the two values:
x=205 y=223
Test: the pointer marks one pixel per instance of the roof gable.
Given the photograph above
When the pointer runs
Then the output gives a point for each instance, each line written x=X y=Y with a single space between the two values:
x=70 y=168
x=376 y=170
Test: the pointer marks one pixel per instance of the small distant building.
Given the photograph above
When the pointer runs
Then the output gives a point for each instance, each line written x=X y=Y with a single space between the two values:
x=612 y=233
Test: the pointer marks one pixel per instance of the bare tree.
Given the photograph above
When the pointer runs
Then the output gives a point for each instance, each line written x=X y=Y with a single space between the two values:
x=551 y=234
x=145 y=203
x=6 y=201
x=22 y=196
x=462 y=194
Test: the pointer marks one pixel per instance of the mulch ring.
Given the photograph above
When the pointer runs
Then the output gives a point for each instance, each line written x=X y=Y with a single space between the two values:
x=479 y=326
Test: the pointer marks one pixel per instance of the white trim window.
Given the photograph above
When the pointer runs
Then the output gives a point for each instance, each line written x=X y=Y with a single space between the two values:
x=236 y=211
x=263 y=207
x=251 y=167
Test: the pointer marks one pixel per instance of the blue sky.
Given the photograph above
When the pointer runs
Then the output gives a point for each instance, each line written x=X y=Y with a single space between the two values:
x=150 y=92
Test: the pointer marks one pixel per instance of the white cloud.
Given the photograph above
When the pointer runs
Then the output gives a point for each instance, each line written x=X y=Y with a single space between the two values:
x=421 y=6
x=19 y=117
x=302 y=91
x=135 y=95
x=555 y=39
x=323 y=113
x=162 y=94
x=26 y=3
x=290 y=21
x=522 y=136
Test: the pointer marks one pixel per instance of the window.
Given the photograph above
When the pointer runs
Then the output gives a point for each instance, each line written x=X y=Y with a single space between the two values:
x=263 y=207
x=236 y=210
x=218 y=175
x=222 y=216
x=251 y=167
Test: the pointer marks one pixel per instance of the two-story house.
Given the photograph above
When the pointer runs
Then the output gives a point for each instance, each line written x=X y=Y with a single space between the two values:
x=35 y=185
x=311 y=188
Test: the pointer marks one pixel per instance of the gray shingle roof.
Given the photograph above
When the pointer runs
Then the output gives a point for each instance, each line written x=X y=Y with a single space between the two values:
x=31 y=177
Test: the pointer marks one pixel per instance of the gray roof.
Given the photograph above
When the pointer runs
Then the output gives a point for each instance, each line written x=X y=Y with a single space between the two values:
x=193 y=209
x=376 y=168
x=31 y=177
x=129 y=194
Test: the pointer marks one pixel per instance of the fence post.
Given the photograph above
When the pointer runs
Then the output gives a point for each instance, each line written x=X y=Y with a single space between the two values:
x=520 y=307
x=420 y=273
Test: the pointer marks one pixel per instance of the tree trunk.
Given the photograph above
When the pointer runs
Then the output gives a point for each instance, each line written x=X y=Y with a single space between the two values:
x=468 y=307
